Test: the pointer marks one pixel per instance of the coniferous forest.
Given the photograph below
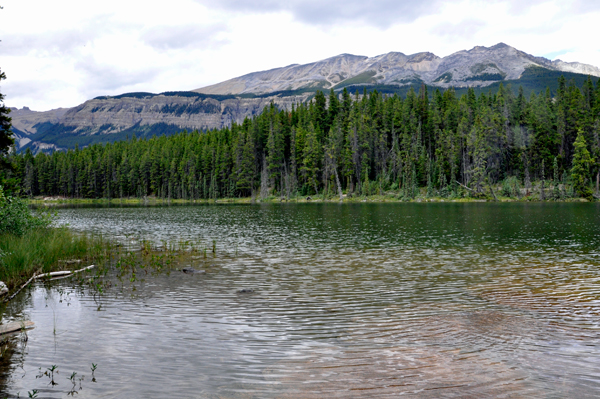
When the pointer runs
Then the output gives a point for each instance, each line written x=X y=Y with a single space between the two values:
x=426 y=144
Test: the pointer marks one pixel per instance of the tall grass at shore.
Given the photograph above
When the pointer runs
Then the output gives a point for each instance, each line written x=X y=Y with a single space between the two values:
x=29 y=244
x=43 y=249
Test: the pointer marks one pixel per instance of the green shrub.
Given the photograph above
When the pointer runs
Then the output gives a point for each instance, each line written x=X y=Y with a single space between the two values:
x=16 y=218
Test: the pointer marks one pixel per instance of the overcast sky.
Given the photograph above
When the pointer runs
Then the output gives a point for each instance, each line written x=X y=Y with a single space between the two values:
x=61 y=53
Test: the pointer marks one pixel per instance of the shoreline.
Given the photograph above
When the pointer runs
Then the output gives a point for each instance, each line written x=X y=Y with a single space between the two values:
x=386 y=198
x=47 y=250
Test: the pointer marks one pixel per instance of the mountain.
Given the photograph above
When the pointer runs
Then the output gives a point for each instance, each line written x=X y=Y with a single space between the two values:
x=109 y=119
x=112 y=118
x=478 y=67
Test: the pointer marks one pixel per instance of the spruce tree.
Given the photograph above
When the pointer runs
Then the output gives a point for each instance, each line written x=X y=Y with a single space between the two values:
x=557 y=194
x=580 y=172
x=6 y=139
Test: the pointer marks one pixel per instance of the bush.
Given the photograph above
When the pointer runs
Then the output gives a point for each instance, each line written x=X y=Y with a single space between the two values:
x=16 y=218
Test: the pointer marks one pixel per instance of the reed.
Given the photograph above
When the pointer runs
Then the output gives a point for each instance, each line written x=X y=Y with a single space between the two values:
x=43 y=248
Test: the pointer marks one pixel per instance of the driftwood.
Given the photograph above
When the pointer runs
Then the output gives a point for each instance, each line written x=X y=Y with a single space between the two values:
x=23 y=286
x=36 y=276
x=16 y=327
x=64 y=273
x=53 y=274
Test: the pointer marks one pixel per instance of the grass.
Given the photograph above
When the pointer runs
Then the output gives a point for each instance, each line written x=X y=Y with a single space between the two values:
x=385 y=196
x=508 y=190
x=42 y=249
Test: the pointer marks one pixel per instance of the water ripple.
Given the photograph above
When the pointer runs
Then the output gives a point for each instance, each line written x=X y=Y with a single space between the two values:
x=456 y=300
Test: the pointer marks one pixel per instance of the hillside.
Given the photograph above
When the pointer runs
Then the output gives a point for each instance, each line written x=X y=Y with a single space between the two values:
x=478 y=67
x=113 y=118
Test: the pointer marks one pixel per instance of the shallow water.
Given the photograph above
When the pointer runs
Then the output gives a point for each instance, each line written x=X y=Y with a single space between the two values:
x=352 y=300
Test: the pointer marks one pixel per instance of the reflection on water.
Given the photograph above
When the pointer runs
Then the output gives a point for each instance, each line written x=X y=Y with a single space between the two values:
x=322 y=300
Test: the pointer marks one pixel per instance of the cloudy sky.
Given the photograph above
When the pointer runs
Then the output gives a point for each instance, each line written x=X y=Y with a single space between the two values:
x=60 y=53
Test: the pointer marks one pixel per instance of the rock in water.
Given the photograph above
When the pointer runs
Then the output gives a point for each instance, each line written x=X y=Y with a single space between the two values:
x=190 y=270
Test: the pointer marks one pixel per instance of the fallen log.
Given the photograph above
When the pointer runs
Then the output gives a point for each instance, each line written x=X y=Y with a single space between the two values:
x=16 y=326
x=35 y=276
x=63 y=273
x=462 y=185
x=54 y=274
x=23 y=286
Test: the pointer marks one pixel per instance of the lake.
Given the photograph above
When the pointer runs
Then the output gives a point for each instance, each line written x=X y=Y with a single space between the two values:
x=429 y=300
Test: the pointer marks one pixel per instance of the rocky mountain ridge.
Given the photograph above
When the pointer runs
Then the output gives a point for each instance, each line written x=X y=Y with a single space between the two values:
x=480 y=66
x=106 y=119
x=111 y=118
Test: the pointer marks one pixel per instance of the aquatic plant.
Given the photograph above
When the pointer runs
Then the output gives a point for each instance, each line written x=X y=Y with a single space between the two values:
x=52 y=369
x=72 y=392
x=49 y=372
x=93 y=368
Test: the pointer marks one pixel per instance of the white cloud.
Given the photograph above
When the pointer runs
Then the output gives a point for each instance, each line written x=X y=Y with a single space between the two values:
x=380 y=13
x=64 y=52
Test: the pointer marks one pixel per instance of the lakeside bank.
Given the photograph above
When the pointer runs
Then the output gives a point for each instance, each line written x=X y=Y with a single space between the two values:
x=386 y=197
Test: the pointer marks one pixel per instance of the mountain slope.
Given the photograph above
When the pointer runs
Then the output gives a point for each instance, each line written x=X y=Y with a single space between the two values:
x=108 y=119
x=478 y=67
x=112 y=118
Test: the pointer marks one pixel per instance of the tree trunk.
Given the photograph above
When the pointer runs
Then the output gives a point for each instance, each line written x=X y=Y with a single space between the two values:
x=542 y=195
x=337 y=181
x=493 y=193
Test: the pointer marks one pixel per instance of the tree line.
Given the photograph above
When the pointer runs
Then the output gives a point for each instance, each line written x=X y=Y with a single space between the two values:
x=435 y=145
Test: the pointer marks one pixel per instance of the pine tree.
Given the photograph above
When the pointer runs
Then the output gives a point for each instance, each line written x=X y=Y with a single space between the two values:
x=312 y=157
x=6 y=139
x=245 y=163
x=372 y=142
x=275 y=147
x=557 y=193
x=580 y=172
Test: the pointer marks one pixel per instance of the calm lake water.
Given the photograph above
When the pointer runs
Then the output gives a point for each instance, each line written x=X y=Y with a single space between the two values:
x=349 y=301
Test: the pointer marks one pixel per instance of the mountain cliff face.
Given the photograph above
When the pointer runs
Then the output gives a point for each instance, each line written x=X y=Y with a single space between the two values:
x=24 y=120
x=480 y=66
x=107 y=119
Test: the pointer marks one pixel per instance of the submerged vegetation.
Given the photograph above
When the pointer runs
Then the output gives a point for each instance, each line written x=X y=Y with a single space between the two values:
x=445 y=146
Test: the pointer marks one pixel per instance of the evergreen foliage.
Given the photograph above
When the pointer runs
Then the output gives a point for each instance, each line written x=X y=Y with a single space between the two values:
x=582 y=162
x=16 y=218
x=361 y=144
x=6 y=139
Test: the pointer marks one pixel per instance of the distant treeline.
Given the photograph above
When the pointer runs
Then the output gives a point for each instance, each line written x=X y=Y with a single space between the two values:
x=361 y=144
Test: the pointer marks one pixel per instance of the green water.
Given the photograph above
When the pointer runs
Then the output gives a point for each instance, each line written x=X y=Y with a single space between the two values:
x=352 y=300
